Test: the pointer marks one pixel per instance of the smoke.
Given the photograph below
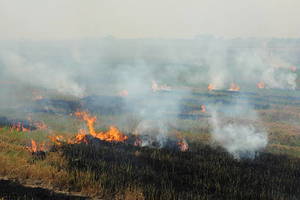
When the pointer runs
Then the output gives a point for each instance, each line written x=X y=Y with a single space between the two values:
x=107 y=66
x=234 y=130
x=40 y=74
x=246 y=64
x=152 y=133
x=278 y=78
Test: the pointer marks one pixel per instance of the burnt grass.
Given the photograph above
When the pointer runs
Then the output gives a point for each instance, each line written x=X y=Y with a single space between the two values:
x=13 y=190
x=203 y=172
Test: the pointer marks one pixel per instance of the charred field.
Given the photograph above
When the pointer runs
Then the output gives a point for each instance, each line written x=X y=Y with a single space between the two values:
x=72 y=158
x=202 y=118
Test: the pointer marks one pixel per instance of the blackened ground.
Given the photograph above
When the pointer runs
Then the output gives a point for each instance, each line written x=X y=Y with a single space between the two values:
x=12 y=190
x=202 y=173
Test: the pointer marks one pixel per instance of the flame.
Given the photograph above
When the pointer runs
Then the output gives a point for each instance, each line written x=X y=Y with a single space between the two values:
x=81 y=137
x=35 y=147
x=293 y=68
x=58 y=139
x=260 y=85
x=113 y=134
x=123 y=93
x=36 y=96
x=155 y=87
x=40 y=125
x=234 y=87
x=19 y=127
x=203 y=108
x=183 y=145
x=211 y=87
x=90 y=121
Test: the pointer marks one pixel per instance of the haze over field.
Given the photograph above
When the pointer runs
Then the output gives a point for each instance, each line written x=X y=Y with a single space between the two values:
x=70 y=19
x=138 y=99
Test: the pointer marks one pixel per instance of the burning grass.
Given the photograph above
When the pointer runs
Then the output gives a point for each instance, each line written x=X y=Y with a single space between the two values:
x=113 y=134
x=120 y=171
x=102 y=161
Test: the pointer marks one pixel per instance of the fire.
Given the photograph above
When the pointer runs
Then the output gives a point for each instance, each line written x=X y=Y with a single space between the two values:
x=36 y=96
x=113 y=134
x=183 y=145
x=40 y=125
x=90 y=121
x=58 y=139
x=80 y=138
x=260 y=85
x=123 y=93
x=19 y=127
x=203 y=108
x=155 y=87
x=35 y=147
x=211 y=87
x=293 y=68
x=234 y=87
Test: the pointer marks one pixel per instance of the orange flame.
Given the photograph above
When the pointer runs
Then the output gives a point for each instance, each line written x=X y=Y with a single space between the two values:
x=35 y=147
x=113 y=134
x=234 y=87
x=36 y=96
x=183 y=145
x=81 y=137
x=260 y=85
x=19 y=127
x=203 y=108
x=211 y=87
x=58 y=139
x=293 y=68
x=123 y=93
x=90 y=121
x=40 y=125
x=155 y=87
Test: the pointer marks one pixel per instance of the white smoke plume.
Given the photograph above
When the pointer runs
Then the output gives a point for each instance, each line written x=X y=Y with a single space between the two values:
x=40 y=74
x=152 y=133
x=241 y=139
x=281 y=79
x=228 y=62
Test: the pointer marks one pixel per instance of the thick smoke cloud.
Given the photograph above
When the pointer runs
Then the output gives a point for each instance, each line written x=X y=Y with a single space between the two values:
x=108 y=66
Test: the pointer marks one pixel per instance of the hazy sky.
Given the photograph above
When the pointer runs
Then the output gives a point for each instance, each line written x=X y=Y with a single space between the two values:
x=69 y=19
